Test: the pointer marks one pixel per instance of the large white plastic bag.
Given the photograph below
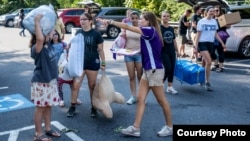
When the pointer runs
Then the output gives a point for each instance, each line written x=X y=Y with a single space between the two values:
x=76 y=56
x=48 y=20
x=104 y=95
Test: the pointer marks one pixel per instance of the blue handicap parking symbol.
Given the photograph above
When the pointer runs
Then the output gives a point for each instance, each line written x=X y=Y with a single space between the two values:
x=14 y=102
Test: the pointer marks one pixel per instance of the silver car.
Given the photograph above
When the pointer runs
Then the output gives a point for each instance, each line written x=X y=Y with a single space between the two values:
x=8 y=18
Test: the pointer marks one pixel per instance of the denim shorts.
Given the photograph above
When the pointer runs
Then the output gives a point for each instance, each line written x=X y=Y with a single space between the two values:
x=133 y=58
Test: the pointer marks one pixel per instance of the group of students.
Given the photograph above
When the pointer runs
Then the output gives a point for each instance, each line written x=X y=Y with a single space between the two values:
x=208 y=46
x=44 y=89
x=154 y=64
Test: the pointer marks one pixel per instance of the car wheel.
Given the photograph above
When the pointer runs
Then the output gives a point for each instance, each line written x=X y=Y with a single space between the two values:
x=244 y=49
x=10 y=23
x=68 y=27
x=113 y=32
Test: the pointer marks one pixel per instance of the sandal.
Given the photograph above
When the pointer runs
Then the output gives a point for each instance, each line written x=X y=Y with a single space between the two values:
x=42 y=138
x=52 y=133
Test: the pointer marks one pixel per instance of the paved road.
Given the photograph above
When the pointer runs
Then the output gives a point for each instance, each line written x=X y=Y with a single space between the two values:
x=229 y=103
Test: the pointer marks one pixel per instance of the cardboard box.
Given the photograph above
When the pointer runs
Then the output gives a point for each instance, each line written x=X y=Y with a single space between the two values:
x=228 y=19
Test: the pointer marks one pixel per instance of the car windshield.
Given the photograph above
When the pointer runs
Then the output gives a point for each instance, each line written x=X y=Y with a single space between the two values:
x=15 y=12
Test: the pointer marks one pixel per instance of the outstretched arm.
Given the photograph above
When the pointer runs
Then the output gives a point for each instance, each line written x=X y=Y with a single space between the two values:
x=122 y=25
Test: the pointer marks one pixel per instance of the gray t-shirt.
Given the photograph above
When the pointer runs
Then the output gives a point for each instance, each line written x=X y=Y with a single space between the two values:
x=45 y=64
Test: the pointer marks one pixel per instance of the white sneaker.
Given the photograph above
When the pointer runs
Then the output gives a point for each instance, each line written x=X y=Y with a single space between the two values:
x=78 y=102
x=165 y=131
x=131 y=131
x=171 y=90
x=131 y=100
x=61 y=103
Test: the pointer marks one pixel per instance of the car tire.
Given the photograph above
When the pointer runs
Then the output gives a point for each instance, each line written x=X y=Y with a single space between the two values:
x=113 y=32
x=68 y=27
x=244 y=49
x=10 y=23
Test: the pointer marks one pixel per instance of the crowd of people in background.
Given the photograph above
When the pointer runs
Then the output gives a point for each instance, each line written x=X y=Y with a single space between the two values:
x=150 y=68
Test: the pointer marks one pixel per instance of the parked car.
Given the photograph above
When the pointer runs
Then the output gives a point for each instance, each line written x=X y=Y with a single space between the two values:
x=239 y=40
x=70 y=17
x=8 y=19
x=114 y=13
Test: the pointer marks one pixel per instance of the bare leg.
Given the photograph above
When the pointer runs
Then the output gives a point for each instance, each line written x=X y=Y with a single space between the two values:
x=161 y=99
x=92 y=76
x=47 y=118
x=142 y=94
x=38 y=117
x=208 y=60
x=131 y=74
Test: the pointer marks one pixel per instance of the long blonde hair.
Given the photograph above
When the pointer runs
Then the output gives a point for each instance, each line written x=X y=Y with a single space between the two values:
x=152 y=19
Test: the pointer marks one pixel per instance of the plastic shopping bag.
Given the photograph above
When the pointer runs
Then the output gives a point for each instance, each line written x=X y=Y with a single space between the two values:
x=48 y=20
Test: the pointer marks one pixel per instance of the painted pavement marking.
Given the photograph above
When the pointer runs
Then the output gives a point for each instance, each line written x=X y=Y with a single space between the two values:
x=13 y=134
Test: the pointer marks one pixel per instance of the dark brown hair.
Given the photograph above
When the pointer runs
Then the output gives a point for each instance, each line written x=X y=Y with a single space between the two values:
x=219 y=7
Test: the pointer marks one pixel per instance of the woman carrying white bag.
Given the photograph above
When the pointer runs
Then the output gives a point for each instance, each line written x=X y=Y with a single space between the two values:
x=94 y=59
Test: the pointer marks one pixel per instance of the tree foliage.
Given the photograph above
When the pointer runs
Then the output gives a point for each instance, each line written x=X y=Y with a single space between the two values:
x=172 y=6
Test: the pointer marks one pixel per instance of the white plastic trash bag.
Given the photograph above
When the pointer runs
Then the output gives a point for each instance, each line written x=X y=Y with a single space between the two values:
x=76 y=56
x=48 y=20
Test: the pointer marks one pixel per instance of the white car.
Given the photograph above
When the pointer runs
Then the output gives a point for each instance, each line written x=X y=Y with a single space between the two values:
x=239 y=40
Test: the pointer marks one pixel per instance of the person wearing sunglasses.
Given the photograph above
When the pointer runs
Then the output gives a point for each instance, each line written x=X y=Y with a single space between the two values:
x=94 y=59
x=218 y=63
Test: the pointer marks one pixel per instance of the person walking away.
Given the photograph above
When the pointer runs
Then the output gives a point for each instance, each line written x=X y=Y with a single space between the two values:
x=133 y=62
x=151 y=44
x=218 y=63
x=94 y=59
x=21 y=17
x=169 y=51
x=184 y=24
x=44 y=91
x=206 y=33
x=194 y=20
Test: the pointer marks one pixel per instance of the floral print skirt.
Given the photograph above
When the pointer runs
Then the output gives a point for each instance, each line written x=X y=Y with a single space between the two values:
x=45 y=94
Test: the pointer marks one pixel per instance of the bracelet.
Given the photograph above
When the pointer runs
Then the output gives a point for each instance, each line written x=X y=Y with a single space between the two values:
x=103 y=63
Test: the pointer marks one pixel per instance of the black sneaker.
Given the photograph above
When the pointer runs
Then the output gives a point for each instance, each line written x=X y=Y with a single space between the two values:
x=93 y=112
x=219 y=69
x=214 y=67
x=71 y=111
x=199 y=60
x=208 y=86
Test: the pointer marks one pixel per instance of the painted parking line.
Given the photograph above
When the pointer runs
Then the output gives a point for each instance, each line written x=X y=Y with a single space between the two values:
x=13 y=134
x=1 y=88
x=14 y=102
